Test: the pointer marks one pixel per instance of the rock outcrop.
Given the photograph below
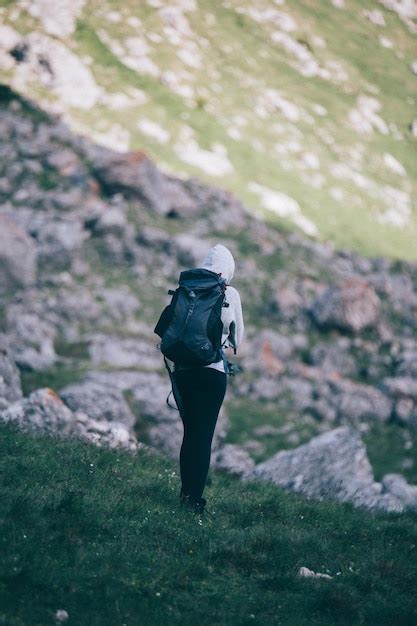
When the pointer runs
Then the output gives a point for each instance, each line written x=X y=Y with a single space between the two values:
x=43 y=410
x=335 y=466
x=351 y=306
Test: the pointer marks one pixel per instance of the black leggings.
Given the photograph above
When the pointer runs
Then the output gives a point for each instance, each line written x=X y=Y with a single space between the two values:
x=202 y=391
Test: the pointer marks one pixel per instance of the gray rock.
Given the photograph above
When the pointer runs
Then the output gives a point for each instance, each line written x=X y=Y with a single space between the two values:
x=44 y=410
x=334 y=357
x=232 y=459
x=405 y=410
x=400 y=387
x=397 y=486
x=351 y=306
x=58 y=241
x=355 y=402
x=110 y=434
x=113 y=220
x=299 y=390
x=75 y=308
x=123 y=351
x=155 y=238
x=149 y=391
x=180 y=202
x=30 y=337
x=167 y=437
x=407 y=365
x=99 y=401
x=305 y=572
x=68 y=164
x=268 y=352
x=285 y=302
x=120 y=304
x=190 y=250
x=321 y=409
x=264 y=388
x=10 y=386
x=134 y=175
x=18 y=258
x=334 y=466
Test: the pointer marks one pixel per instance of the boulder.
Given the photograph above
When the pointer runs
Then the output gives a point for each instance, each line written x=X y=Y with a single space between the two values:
x=44 y=410
x=351 y=306
x=67 y=164
x=332 y=466
x=59 y=240
x=400 y=387
x=268 y=352
x=232 y=459
x=405 y=411
x=334 y=357
x=18 y=257
x=355 y=402
x=106 y=433
x=285 y=302
x=137 y=177
x=58 y=19
x=31 y=337
x=158 y=422
x=10 y=387
x=407 y=365
x=397 y=486
x=111 y=221
x=99 y=401
x=48 y=61
x=134 y=175
x=124 y=351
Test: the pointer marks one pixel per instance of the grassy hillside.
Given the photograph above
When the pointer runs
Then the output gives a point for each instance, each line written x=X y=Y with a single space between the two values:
x=302 y=108
x=98 y=534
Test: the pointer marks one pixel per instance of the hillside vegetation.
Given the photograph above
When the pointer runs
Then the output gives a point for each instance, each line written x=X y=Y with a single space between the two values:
x=305 y=109
x=99 y=534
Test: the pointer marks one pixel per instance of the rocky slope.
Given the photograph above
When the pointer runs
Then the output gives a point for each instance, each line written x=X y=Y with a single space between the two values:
x=306 y=110
x=91 y=241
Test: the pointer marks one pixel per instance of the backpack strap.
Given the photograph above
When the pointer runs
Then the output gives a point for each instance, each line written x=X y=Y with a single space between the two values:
x=174 y=390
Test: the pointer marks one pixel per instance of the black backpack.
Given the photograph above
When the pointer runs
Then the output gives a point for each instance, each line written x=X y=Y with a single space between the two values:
x=190 y=327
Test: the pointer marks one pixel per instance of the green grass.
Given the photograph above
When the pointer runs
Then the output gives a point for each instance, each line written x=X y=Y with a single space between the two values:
x=72 y=349
x=133 y=557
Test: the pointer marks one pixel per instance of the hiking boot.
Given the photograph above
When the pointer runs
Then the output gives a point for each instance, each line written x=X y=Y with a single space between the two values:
x=196 y=506
x=184 y=497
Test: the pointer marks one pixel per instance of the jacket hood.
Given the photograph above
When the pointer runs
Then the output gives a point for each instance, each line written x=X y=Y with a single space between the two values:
x=220 y=259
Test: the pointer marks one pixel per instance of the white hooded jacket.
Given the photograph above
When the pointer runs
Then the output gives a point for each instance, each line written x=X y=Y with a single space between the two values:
x=220 y=260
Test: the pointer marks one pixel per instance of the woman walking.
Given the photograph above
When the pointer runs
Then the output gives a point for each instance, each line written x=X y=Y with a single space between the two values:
x=202 y=388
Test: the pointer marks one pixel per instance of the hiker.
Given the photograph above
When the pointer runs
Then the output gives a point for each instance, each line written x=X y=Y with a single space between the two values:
x=199 y=390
